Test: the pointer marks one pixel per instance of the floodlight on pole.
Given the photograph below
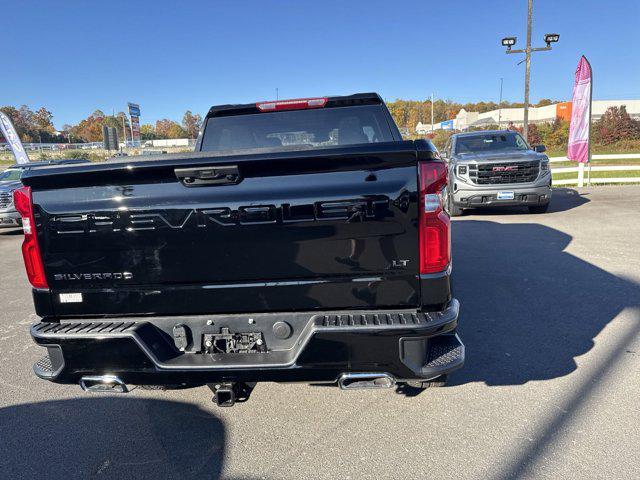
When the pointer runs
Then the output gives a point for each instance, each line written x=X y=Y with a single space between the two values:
x=509 y=42
x=550 y=38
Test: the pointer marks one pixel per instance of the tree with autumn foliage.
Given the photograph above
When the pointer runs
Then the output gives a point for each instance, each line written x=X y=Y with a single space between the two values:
x=407 y=113
x=148 y=132
x=191 y=124
x=89 y=129
x=166 y=128
x=616 y=124
x=32 y=126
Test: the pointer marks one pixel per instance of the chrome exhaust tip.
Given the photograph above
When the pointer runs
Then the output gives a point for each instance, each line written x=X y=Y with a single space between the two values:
x=103 y=384
x=353 y=381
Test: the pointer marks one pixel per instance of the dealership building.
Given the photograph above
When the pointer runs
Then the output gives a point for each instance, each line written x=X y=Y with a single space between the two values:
x=506 y=116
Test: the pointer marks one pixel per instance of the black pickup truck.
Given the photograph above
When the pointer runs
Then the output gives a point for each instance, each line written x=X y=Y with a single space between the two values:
x=303 y=241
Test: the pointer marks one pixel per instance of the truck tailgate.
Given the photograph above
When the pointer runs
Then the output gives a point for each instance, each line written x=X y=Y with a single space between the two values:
x=205 y=233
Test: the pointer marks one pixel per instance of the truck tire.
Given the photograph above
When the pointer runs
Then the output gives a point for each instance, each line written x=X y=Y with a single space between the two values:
x=539 y=208
x=453 y=210
x=440 y=381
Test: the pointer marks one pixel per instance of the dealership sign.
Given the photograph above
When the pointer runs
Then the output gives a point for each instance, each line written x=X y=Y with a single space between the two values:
x=134 y=109
x=446 y=125
x=134 y=114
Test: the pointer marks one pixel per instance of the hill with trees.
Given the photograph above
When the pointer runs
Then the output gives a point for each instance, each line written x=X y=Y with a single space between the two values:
x=37 y=127
x=616 y=129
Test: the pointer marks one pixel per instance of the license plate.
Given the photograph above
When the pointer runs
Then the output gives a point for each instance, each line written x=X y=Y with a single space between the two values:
x=505 y=196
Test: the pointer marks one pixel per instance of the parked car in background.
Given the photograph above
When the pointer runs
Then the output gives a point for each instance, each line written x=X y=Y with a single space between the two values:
x=10 y=181
x=496 y=168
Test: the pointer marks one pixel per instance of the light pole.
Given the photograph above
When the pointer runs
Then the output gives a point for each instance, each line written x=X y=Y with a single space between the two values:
x=432 y=114
x=124 y=131
x=500 y=106
x=509 y=42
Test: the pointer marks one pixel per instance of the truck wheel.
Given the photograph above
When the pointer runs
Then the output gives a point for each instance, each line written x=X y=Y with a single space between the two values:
x=440 y=381
x=453 y=210
x=539 y=208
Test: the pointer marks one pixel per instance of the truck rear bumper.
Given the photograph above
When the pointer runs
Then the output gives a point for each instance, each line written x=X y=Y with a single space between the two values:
x=312 y=347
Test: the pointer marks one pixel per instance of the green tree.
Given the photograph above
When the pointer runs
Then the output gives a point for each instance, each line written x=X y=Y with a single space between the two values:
x=148 y=132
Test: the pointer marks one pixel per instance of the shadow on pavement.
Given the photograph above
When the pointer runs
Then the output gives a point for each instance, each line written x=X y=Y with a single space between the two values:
x=528 y=308
x=110 y=437
x=10 y=232
x=564 y=199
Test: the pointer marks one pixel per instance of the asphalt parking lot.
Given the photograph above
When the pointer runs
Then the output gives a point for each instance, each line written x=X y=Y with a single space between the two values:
x=551 y=388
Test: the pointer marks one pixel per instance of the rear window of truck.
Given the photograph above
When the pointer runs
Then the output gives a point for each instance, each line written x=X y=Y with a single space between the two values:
x=314 y=128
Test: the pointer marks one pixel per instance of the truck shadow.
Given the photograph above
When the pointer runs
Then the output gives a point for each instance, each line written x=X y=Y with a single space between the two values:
x=528 y=308
x=111 y=438
x=10 y=232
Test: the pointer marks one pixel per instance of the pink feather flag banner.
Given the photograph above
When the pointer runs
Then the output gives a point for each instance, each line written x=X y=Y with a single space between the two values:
x=578 y=149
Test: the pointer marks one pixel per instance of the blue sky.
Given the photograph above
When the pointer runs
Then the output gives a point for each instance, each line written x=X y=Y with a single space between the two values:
x=76 y=56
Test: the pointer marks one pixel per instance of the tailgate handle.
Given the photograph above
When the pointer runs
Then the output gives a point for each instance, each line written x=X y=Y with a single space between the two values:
x=206 y=176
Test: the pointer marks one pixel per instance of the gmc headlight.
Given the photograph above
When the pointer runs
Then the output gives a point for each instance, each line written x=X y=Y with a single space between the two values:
x=544 y=165
x=462 y=170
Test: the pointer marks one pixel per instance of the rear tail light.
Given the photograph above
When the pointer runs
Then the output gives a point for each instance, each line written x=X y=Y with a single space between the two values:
x=30 y=248
x=295 y=104
x=435 y=225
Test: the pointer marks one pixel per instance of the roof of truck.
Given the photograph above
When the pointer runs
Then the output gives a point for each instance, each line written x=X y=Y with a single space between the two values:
x=370 y=98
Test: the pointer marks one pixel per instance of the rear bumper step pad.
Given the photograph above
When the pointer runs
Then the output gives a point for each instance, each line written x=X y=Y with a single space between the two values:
x=407 y=345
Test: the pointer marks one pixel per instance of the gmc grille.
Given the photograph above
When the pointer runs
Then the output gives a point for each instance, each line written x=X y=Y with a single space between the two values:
x=6 y=199
x=501 y=173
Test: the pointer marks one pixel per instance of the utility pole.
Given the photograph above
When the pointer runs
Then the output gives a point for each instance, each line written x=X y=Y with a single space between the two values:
x=432 y=113
x=124 y=132
x=508 y=42
x=527 y=72
x=500 y=106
